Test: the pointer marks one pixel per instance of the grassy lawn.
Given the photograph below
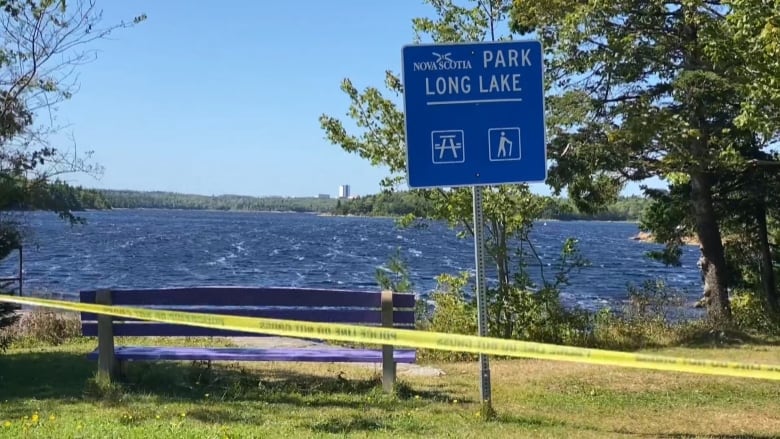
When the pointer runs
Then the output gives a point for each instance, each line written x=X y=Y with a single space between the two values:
x=51 y=392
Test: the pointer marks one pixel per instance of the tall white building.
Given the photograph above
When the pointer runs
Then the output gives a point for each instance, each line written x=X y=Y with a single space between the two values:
x=344 y=191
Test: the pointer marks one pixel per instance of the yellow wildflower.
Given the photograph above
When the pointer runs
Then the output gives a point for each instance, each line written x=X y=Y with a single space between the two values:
x=51 y=417
x=34 y=417
x=7 y=424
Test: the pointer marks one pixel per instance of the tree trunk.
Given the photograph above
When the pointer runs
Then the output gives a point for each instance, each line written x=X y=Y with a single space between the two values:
x=713 y=259
x=767 y=270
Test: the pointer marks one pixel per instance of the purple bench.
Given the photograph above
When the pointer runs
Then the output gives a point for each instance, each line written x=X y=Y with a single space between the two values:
x=385 y=308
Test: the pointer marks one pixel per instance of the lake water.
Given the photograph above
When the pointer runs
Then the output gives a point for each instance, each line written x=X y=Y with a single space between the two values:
x=168 y=248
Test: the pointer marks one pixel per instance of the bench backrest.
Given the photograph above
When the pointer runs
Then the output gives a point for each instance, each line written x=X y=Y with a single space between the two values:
x=314 y=305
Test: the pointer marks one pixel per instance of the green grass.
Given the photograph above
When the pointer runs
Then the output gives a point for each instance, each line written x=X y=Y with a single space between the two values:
x=50 y=392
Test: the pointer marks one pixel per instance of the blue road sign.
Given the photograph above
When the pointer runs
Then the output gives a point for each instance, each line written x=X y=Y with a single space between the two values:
x=474 y=113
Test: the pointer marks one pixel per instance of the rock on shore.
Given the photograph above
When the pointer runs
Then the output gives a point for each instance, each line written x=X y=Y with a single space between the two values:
x=648 y=237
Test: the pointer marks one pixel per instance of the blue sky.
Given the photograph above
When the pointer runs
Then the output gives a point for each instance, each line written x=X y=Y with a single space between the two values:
x=221 y=99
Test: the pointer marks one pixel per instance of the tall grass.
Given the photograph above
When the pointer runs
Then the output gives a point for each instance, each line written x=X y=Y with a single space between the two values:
x=42 y=326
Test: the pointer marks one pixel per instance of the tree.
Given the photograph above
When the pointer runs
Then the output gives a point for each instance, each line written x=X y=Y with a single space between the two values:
x=746 y=194
x=43 y=42
x=754 y=26
x=640 y=89
x=755 y=29
x=509 y=210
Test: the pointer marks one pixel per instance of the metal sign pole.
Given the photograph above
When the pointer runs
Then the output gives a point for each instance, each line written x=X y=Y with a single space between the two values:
x=479 y=256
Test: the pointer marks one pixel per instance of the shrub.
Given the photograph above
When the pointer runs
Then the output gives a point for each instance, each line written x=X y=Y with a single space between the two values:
x=653 y=315
x=650 y=319
x=8 y=318
x=395 y=275
x=535 y=316
x=654 y=300
x=749 y=313
x=6 y=338
x=539 y=316
x=453 y=314
x=47 y=327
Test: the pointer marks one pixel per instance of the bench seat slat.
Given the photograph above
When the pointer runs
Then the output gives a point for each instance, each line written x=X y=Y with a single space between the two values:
x=230 y=296
x=89 y=329
x=310 y=315
x=255 y=354
x=163 y=330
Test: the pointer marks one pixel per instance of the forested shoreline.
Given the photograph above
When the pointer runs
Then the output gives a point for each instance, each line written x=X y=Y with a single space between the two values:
x=390 y=204
x=127 y=199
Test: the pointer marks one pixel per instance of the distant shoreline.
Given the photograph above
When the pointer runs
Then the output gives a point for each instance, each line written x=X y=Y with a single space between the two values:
x=381 y=205
x=648 y=237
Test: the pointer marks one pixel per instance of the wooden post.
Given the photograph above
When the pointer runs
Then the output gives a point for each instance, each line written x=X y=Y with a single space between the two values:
x=107 y=364
x=388 y=362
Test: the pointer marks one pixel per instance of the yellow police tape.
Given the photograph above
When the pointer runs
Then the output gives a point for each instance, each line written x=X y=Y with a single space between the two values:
x=418 y=339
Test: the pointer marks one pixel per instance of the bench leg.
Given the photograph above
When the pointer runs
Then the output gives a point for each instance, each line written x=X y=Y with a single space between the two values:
x=107 y=364
x=388 y=362
x=388 y=369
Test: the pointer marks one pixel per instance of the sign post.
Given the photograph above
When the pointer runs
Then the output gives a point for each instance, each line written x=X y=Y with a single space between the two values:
x=474 y=115
x=482 y=324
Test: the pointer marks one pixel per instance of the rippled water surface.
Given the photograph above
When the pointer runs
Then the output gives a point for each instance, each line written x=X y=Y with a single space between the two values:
x=166 y=248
